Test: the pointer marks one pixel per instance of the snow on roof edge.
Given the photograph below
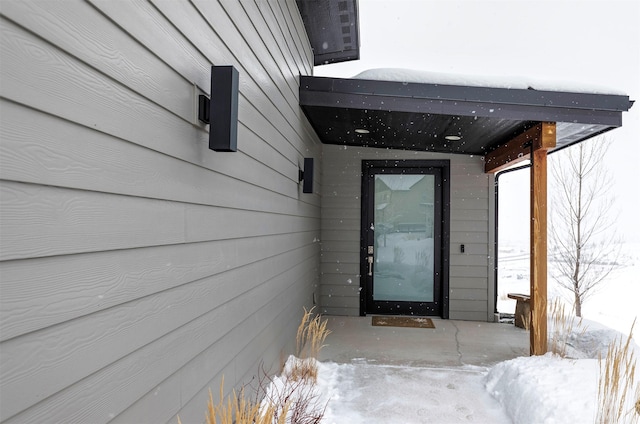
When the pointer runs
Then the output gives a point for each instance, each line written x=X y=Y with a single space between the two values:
x=510 y=82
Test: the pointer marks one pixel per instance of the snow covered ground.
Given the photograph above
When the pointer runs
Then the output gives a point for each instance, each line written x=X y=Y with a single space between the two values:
x=614 y=304
x=543 y=389
x=526 y=390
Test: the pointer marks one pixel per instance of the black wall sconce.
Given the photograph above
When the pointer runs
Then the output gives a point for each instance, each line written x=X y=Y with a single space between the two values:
x=221 y=111
x=306 y=176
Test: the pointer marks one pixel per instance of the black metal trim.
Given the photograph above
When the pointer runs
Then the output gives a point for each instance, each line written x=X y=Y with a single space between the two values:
x=459 y=93
x=441 y=105
x=333 y=29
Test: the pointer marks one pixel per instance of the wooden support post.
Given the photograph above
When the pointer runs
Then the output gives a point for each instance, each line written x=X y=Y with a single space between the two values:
x=518 y=149
x=533 y=144
x=538 y=326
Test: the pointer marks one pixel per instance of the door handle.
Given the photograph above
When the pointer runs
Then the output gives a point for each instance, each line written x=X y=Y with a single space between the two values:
x=370 y=260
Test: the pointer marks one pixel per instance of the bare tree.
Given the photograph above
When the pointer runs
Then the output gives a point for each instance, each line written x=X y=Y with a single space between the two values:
x=583 y=241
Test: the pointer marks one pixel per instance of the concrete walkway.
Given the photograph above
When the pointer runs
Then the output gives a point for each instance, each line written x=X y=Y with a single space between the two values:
x=394 y=375
x=451 y=343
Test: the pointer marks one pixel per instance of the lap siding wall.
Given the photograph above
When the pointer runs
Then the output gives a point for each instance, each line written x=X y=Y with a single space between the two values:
x=471 y=211
x=137 y=267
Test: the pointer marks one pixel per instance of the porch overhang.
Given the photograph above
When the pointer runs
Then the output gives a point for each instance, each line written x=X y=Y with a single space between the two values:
x=503 y=125
x=332 y=28
x=419 y=116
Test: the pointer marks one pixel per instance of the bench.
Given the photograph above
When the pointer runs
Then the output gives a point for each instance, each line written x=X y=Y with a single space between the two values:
x=523 y=309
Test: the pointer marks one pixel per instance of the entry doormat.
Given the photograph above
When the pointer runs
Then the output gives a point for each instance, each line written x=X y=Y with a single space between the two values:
x=416 y=322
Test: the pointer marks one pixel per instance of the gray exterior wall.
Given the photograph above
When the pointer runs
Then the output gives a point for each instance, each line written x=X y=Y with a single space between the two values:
x=137 y=267
x=472 y=205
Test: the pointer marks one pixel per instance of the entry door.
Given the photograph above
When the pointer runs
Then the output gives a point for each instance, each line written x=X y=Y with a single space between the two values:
x=402 y=237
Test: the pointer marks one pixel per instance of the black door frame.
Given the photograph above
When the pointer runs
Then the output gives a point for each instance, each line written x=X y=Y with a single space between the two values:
x=367 y=166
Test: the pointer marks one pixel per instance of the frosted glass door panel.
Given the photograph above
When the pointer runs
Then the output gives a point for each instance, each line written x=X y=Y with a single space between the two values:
x=404 y=238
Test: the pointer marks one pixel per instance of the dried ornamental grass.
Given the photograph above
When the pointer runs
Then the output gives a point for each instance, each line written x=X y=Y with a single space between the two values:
x=294 y=402
x=617 y=375
x=563 y=328
x=239 y=410
x=310 y=338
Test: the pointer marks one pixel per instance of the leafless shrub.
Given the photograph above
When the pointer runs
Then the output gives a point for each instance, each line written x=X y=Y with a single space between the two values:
x=298 y=401
x=291 y=399
x=238 y=409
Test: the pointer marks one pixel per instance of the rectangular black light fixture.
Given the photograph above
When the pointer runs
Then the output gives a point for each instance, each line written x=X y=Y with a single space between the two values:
x=221 y=111
x=306 y=176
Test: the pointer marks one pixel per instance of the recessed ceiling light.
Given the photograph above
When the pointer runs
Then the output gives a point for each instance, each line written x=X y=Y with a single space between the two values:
x=362 y=131
x=453 y=137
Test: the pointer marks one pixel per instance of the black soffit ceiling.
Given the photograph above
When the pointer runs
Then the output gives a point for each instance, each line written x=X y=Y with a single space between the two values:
x=418 y=116
x=333 y=29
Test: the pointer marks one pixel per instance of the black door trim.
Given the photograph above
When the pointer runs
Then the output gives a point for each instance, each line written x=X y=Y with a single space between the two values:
x=444 y=166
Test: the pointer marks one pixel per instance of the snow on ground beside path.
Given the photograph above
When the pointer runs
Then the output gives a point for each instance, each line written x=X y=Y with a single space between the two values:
x=541 y=389
x=549 y=389
x=546 y=389
x=591 y=339
x=614 y=303
x=617 y=302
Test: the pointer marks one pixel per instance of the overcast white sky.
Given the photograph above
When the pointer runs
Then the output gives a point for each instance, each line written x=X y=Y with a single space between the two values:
x=586 y=42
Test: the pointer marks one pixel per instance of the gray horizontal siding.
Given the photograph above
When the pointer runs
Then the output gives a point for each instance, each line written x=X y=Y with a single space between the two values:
x=476 y=282
x=87 y=283
x=27 y=151
x=468 y=259
x=470 y=273
x=137 y=266
x=479 y=294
